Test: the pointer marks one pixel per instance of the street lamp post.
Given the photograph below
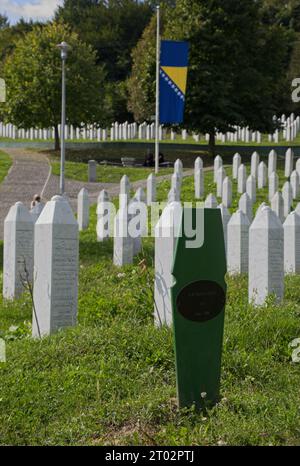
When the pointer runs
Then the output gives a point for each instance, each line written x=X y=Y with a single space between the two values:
x=64 y=53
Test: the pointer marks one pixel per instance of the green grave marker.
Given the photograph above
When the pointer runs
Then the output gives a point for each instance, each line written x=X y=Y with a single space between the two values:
x=198 y=302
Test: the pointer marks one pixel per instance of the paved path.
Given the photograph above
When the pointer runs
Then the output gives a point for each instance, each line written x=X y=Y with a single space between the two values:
x=25 y=178
x=30 y=174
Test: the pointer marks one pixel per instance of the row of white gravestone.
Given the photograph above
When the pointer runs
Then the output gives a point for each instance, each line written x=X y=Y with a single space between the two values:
x=264 y=250
x=43 y=256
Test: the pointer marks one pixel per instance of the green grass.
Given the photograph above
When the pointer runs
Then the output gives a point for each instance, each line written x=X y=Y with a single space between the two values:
x=105 y=173
x=5 y=164
x=111 y=380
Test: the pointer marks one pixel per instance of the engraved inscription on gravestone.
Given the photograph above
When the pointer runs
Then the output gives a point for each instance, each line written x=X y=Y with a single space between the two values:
x=201 y=301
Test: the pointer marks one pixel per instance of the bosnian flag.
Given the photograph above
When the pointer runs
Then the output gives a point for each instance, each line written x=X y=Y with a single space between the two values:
x=173 y=80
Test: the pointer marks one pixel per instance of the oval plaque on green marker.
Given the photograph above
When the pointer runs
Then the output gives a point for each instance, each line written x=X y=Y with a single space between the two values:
x=201 y=301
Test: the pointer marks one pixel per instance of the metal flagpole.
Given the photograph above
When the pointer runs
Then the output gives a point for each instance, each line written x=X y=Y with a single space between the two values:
x=157 y=91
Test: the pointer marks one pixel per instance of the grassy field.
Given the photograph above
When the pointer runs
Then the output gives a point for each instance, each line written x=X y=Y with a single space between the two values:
x=105 y=173
x=5 y=164
x=111 y=380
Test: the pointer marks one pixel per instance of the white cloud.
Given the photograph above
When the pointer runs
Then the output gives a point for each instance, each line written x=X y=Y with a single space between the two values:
x=34 y=9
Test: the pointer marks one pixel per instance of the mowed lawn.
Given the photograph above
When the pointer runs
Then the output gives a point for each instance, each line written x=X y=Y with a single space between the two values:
x=111 y=380
x=5 y=164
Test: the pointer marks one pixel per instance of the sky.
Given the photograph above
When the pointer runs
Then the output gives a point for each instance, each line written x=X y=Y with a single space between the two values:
x=35 y=9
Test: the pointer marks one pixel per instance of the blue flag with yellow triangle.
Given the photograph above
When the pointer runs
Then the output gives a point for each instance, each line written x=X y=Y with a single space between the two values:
x=173 y=80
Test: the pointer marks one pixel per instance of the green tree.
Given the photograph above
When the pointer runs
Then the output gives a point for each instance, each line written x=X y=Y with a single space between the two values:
x=112 y=28
x=4 y=23
x=33 y=78
x=236 y=64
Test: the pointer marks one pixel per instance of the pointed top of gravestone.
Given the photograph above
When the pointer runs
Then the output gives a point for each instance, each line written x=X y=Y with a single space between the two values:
x=289 y=152
x=293 y=219
x=18 y=213
x=103 y=196
x=294 y=174
x=237 y=156
x=224 y=212
x=218 y=158
x=83 y=193
x=178 y=165
x=57 y=211
x=251 y=179
x=262 y=205
x=173 y=196
x=239 y=218
x=124 y=185
x=211 y=202
x=267 y=219
x=242 y=168
x=227 y=181
x=272 y=153
x=140 y=195
x=151 y=176
x=273 y=175
x=287 y=187
x=277 y=195
x=198 y=163
x=255 y=154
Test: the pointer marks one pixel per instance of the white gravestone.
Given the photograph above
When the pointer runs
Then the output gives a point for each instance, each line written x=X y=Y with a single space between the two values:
x=92 y=171
x=211 y=202
x=225 y=214
x=298 y=166
x=245 y=205
x=138 y=220
x=273 y=185
x=83 y=209
x=254 y=164
x=103 y=216
x=221 y=175
x=18 y=251
x=176 y=182
x=295 y=180
x=242 y=179
x=178 y=167
x=36 y=211
x=199 y=183
x=123 y=242
x=227 y=192
x=56 y=262
x=218 y=163
x=277 y=205
x=166 y=233
x=291 y=228
x=251 y=188
x=272 y=162
x=266 y=273
x=262 y=175
x=151 y=189
x=173 y=196
x=238 y=243
x=287 y=195
x=289 y=163
x=237 y=160
x=124 y=196
x=198 y=164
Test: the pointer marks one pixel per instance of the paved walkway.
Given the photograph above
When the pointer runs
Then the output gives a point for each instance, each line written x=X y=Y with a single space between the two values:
x=30 y=174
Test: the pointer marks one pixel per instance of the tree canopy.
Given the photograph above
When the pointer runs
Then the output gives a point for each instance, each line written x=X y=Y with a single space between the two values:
x=235 y=68
x=33 y=78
